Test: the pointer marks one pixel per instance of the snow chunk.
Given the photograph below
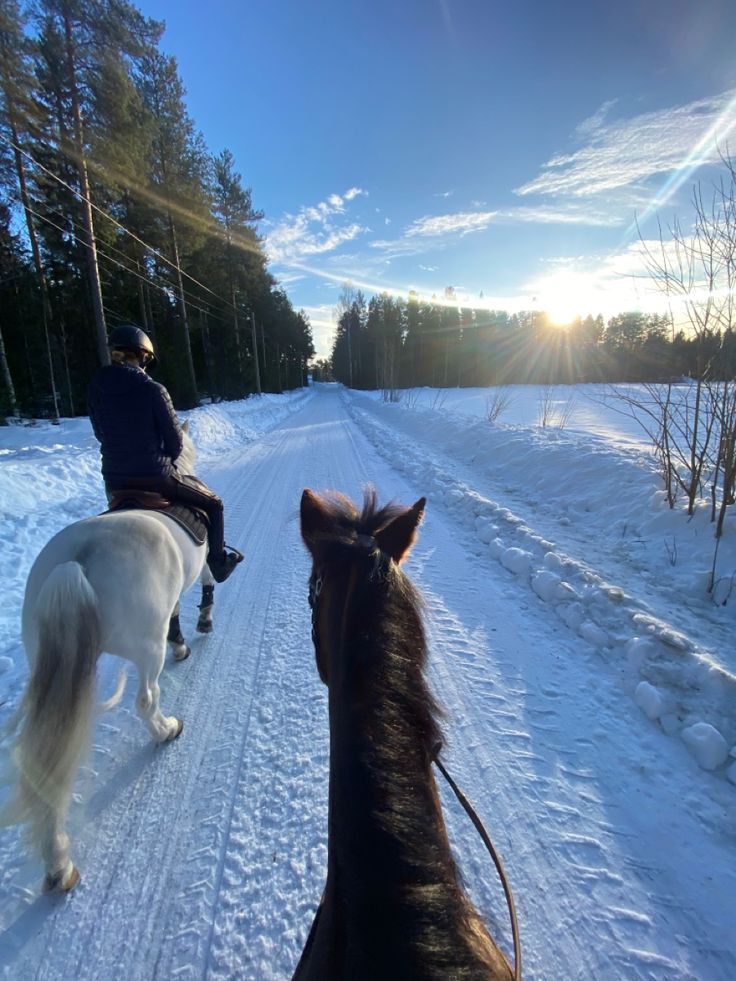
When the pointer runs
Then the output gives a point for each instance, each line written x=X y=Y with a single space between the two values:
x=572 y=615
x=636 y=651
x=6 y=663
x=613 y=593
x=674 y=639
x=670 y=723
x=706 y=744
x=553 y=562
x=566 y=592
x=649 y=700
x=486 y=530
x=546 y=585
x=593 y=633
x=731 y=773
x=516 y=560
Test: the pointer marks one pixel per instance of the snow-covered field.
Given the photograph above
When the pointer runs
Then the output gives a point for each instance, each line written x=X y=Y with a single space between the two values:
x=587 y=674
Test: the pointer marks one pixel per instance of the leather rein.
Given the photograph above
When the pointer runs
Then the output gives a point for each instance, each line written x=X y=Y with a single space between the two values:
x=316 y=585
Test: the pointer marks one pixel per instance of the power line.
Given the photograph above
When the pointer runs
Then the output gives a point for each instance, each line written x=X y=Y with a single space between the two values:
x=276 y=348
x=225 y=303
x=131 y=272
x=191 y=299
x=109 y=217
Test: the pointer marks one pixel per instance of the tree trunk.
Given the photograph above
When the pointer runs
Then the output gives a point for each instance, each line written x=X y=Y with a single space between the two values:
x=236 y=328
x=20 y=171
x=183 y=310
x=255 y=352
x=263 y=353
x=8 y=378
x=93 y=270
x=66 y=366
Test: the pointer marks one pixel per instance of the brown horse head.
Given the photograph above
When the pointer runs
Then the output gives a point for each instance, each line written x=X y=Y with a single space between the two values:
x=341 y=540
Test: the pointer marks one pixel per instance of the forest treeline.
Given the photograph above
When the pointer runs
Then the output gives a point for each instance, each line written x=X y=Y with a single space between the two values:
x=113 y=210
x=390 y=343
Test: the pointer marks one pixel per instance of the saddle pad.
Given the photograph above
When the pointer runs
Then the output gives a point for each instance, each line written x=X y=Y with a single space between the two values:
x=191 y=520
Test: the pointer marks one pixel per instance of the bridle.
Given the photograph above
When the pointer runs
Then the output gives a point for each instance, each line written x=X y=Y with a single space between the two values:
x=315 y=591
x=316 y=586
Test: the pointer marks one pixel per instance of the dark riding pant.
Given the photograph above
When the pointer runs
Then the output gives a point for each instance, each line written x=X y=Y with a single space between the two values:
x=180 y=489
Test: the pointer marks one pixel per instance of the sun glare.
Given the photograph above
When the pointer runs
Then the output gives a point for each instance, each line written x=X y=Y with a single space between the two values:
x=560 y=313
x=568 y=295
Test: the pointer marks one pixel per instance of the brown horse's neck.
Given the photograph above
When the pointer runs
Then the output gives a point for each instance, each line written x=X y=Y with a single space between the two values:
x=393 y=907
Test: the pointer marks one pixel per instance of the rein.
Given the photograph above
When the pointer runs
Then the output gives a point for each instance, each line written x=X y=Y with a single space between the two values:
x=316 y=585
x=485 y=838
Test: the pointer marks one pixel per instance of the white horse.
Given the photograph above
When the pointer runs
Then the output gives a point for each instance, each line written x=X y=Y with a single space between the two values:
x=108 y=583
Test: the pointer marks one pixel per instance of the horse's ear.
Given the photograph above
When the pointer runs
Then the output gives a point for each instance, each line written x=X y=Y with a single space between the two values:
x=185 y=426
x=315 y=519
x=398 y=536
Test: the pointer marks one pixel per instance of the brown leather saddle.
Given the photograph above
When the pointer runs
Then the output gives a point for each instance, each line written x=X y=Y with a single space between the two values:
x=191 y=519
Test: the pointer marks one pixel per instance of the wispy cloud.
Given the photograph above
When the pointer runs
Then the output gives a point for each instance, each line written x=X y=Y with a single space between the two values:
x=564 y=214
x=462 y=222
x=625 y=152
x=315 y=230
x=433 y=232
x=593 y=123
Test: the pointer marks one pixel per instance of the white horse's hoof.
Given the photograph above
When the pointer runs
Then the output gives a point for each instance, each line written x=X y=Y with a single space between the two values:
x=179 y=727
x=182 y=653
x=60 y=883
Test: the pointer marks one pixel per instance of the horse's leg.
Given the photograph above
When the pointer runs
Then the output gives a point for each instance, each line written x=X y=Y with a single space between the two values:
x=204 y=624
x=179 y=647
x=162 y=727
x=61 y=874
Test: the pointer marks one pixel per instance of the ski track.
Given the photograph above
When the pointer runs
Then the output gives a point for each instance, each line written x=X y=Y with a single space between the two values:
x=206 y=858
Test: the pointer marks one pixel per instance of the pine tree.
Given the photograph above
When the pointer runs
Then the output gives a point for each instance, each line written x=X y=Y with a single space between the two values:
x=233 y=209
x=17 y=112
x=87 y=45
x=178 y=180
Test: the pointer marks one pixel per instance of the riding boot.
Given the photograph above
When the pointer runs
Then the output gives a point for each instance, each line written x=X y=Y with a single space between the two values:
x=222 y=565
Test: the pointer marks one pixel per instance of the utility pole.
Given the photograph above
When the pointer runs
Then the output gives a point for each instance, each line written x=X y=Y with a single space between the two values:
x=263 y=352
x=255 y=351
x=350 y=355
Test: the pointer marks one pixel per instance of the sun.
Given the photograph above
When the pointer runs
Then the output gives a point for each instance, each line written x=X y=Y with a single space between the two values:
x=561 y=312
x=567 y=295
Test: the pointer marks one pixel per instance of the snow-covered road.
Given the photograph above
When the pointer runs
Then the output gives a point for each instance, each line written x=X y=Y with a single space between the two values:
x=206 y=858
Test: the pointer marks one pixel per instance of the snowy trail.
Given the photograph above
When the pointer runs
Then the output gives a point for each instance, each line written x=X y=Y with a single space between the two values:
x=206 y=858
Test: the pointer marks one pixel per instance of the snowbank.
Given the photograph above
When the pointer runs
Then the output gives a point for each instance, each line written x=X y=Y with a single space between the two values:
x=597 y=497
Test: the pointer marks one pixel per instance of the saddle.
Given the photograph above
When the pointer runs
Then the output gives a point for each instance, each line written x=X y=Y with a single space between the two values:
x=191 y=519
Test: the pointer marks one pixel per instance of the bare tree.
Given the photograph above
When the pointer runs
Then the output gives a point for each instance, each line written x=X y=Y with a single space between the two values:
x=498 y=402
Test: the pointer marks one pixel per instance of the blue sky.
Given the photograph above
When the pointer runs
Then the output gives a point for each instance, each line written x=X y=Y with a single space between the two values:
x=503 y=148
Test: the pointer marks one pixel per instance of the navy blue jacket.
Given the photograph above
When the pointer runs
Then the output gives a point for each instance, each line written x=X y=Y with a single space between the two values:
x=134 y=420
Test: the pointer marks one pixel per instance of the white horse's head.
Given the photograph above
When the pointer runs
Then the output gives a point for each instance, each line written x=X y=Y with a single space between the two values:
x=186 y=459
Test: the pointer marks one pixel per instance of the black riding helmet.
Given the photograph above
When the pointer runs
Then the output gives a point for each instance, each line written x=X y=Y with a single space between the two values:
x=128 y=337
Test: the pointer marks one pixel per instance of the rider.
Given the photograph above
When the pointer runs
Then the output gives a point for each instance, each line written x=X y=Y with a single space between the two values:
x=140 y=436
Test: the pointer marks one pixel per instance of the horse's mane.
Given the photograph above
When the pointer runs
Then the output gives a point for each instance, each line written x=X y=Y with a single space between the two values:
x=402 y=736
x=346 y=523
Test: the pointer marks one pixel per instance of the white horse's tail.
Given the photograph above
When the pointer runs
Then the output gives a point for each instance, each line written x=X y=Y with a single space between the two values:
x=59 y=702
